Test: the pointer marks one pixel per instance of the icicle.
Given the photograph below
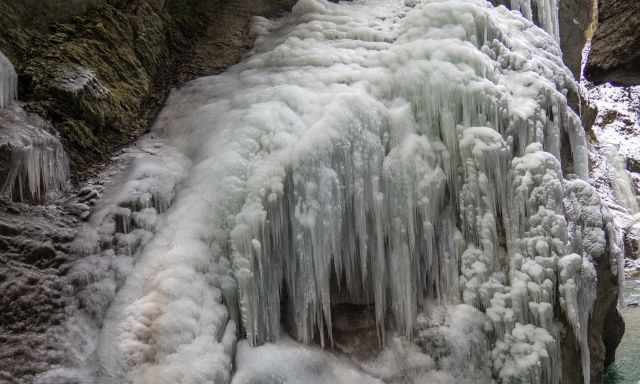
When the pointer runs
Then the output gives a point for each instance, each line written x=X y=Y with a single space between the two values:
x=578 y=293
x=543 y=12
x=37 y=165
x=8 y=82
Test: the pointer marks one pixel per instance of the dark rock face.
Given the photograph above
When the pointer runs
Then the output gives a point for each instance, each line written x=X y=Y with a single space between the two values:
x=571 y=359
x=613 y=332
x=632 y=242
x=606 y=327
x=615 y=49
x=101 y=76
x=576 y=17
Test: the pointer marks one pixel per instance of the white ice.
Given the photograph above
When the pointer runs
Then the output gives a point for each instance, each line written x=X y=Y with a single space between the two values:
x=406 y=155
x=35 y=164
x=544 y=12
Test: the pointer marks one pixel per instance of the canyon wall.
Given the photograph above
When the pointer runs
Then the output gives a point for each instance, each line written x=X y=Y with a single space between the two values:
x=615 y=49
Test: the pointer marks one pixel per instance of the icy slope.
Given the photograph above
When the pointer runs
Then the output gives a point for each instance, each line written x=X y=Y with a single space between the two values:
x=397 y=155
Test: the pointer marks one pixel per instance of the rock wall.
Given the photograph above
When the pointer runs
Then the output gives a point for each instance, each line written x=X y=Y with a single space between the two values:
x=615 y=48
x=100 y=69
x=576 y=18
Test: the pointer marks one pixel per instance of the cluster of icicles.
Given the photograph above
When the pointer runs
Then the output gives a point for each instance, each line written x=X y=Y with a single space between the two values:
x=397 y=155
x=437 y=178
x=37 y=163
x=543 y=12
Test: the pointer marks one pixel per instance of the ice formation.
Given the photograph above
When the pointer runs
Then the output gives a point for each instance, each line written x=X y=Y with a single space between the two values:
x=543 y=12
x=34 y=163
x=8 y=82
x=397 y=155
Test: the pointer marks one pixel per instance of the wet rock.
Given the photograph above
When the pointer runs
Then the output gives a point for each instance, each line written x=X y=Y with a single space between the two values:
x=576 y=18
x=632 y=242
x=613 y=332
x=602 y=333
x=615 y=49
x=633 y=164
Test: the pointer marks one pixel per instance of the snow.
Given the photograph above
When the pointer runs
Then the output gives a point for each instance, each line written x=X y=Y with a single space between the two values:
x=8 y=82
x=401 y=157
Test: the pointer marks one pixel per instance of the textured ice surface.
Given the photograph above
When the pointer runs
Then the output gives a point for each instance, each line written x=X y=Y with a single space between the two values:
x=290 y=363
x=400 y=155
x=450 y=347
x=361 y=190
x=33 y=163
x=543 y=12
x=8 y=82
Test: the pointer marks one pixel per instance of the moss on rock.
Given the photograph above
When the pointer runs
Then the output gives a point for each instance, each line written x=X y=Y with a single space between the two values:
x=100 y=75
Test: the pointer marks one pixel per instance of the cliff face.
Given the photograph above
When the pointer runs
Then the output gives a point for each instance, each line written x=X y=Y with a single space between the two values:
x=100 y=69
x=576 y=17
x=98 y=74
x=615 y=49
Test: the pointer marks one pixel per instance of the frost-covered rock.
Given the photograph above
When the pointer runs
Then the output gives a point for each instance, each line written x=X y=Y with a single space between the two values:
x=615 y=44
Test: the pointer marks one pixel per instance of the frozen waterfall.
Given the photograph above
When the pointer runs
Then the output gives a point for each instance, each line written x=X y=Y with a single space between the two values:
x=416 y=158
